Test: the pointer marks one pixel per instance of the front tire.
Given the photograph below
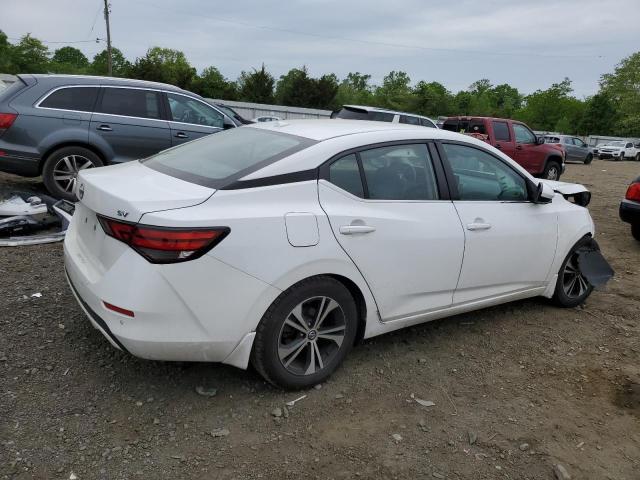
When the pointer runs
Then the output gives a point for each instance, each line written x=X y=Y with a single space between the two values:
x=637 y=157
x=588 y=160
x=635 y=231
x=552 y=171
x=306 y=333
x=61 y=170
x=572 y=288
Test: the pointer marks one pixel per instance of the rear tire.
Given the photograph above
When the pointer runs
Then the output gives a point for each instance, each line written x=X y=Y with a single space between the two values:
x=572 y=289
x=588 y=160
x=621 y=156
x=637 y=157
x=61 y=169
x=552 y=171
x=635 y=231
x=306 y=333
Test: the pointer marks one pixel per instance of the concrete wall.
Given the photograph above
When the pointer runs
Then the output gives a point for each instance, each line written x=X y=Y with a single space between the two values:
x=252 y=110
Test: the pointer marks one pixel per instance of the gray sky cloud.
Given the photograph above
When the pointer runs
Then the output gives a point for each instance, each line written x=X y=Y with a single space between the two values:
x=528 y=44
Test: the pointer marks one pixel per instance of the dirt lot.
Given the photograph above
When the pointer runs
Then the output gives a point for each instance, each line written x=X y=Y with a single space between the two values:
x=517 y=388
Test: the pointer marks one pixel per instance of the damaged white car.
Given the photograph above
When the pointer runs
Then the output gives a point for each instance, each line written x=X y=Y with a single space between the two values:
x=285 y=243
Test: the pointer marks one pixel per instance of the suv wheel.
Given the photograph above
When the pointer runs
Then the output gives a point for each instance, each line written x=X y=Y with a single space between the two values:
x=61 y=170
x=572 y=288
x=552 y=171
x=638 y=157
x=588 y=160
x=306 y=333
x=621 y=155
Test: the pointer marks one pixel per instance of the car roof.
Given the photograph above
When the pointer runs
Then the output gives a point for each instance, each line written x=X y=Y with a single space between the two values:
x=386 y=110
x=324 y=129
x=59 y=80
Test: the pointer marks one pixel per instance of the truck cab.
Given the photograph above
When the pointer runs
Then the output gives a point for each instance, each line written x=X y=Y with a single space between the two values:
x=516 y=140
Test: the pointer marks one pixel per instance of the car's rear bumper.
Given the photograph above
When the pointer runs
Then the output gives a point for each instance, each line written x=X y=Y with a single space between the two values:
x=630 y=212
x=198 y=312
x=19 y=165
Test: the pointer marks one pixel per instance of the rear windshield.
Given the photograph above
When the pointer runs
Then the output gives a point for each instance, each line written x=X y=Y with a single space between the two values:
x=8 y=91
x=221 y=158
x=350 y=113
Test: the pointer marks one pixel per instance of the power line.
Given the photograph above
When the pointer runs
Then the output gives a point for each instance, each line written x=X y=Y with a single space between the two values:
x=69 y=42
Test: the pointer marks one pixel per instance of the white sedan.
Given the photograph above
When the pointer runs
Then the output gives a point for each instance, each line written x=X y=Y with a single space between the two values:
x=284 y=243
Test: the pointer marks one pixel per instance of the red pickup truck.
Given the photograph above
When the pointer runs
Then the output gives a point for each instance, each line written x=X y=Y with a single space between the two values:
x=514 y=139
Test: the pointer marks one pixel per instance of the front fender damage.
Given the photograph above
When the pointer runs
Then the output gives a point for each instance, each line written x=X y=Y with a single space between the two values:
x=593 y=265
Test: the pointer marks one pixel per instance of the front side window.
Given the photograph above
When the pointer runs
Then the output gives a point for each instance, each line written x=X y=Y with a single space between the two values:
x=345 y=174
x=216 y=160
x=399 y=172
x=427 y=123
x=189 y=110
x=523 y=134
x=408 y=119
x=567 y=141
x=501 y=131
x=130 y=102
x=481 y=176
x=81 y=99
x=579 y=142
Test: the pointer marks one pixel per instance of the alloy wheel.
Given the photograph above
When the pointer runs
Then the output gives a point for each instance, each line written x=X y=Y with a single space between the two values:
x=552 y=173
x=65 y=171
x=311 y=335
x=573 y=282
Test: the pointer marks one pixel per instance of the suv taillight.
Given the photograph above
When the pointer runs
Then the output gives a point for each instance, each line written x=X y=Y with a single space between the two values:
x=7 y=119
x=164 y=244
x=633 y=192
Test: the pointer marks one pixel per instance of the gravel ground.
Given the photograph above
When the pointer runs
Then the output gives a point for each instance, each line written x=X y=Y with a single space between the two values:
x=517 y=389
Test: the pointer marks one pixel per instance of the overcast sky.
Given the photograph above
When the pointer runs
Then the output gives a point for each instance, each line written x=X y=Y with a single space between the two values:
x=526 y=43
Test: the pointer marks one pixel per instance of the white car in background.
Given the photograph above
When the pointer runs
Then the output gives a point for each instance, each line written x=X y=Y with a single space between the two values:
x=285 y=243
x=619 y=150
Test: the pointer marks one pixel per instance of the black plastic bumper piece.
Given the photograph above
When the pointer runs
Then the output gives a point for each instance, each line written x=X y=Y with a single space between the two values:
x=630 y=212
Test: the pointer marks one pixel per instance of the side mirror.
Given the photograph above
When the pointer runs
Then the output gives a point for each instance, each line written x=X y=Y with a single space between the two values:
x=539 y=140
x=541 y=193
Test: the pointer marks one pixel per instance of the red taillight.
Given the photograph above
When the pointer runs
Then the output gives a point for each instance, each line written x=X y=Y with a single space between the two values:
x=120 y=310
x=633 y=192
x=164 y=244
x=7 y=119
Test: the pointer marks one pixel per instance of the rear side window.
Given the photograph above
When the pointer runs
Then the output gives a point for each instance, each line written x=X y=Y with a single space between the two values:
x=427 y=123
x=450 y=125
x=130 y=102
x=219 y=159
x=381 y=116
x=501 y=131
x=408 y=119
x=344 y=173
x=350 y=114
x=81 y=99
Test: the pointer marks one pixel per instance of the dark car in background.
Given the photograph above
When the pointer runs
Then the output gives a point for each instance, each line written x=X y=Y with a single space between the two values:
x=630 y=208
x=57 y=125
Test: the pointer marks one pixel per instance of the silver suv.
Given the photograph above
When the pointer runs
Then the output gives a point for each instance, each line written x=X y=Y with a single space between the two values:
x=359 y=112
x=574 y=148
x=56 y=125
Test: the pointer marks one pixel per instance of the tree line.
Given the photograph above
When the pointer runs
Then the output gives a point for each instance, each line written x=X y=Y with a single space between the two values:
x=613 y=110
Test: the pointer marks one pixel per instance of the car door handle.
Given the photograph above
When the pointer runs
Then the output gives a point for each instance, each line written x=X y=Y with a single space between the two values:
x=498 y=146
x=478 y=226
x=182 y=135
x=104 y=128
x=519 y=147
x=356 y=229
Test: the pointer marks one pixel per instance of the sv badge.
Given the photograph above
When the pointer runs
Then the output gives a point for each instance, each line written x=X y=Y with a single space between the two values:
x=122 y=213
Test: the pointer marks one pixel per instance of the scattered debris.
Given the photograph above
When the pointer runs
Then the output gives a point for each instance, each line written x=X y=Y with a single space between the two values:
x=36 y=295
x=339 y=396
x=276 y=412
x=318 y=386
x=593 y=265
x=524 y=447
x=206 y=392
x=437 y=475
x=397 y=437
x=219 y=432
x=424 y=403
x=473 y=437
x=560 y=472
x=73 y=476
x=293 y=402
x=580 y=445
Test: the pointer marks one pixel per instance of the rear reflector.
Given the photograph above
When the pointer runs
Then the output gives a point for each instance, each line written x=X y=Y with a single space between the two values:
x=633 y=192
x=7 y=119
x=164 y=244
x=117 y=309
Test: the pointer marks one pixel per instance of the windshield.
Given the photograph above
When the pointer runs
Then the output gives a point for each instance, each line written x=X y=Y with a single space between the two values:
x=221 y=158
x=232 y=113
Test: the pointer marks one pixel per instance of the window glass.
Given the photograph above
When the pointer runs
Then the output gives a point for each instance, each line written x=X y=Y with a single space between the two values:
x=345 y=174
x=481 y=176
x=501 y=131
x=567 y=141
x=381 y=116
x=189 y=110
x=427 y=123
x=350 y=113
x=476 y=126
x=450 y=125
x=81 y=99
x=130 y=102
x=399 y=172
x=408 y=119
x=217 y=157
x=629 y=145
x=579 y=142
x=523 y=134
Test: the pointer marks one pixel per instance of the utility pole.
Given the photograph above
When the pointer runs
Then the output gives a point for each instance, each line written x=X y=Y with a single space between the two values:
x=106 y=18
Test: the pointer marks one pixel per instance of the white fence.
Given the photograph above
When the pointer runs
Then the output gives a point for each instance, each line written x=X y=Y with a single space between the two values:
x=252 y=110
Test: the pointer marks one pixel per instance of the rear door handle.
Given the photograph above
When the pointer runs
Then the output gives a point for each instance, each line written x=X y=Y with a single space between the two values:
x=478 y=226
x=104 y=128
x=498 y=146
x=356 y=229
x=519 y=147
x=182 y=135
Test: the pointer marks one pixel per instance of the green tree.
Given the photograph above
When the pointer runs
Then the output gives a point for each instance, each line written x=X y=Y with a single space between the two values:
x=6 y=55
x=297 y=89
x=164 y=65
x=395 y=92
x=506 y=99
x=623 y=87
x=354 y=90
x=432 y=99
x=462 y=103
x=121 y=67
x=256 y=86
x=544 y=108
x=30 y=55
x=599 y=116
x=212 y=84
x=69 y=60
